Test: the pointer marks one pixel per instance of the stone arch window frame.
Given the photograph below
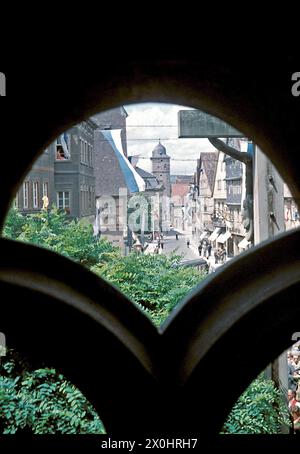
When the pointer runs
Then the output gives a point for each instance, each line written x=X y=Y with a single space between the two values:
x=129 y=331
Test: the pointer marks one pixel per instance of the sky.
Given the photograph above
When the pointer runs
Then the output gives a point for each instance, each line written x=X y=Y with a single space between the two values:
x=149 y=122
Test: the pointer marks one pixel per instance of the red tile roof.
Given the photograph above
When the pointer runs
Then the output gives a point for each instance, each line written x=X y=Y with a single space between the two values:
x=180 y=189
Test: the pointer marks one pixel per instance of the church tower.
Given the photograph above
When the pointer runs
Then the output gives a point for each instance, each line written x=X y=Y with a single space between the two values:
x=161 y=167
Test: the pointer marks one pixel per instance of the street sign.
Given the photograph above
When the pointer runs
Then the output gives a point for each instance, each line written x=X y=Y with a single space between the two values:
x=198 y=124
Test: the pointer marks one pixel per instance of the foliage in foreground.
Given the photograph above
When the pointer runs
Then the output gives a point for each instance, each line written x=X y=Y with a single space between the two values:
x=43 y=402
x=155 y=282
x=259 y=410
x=54 y=230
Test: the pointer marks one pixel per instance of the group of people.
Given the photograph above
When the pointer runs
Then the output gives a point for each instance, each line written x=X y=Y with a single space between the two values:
x=158 y=240
x=220 y=254
x=293 y=358
x=205 y=250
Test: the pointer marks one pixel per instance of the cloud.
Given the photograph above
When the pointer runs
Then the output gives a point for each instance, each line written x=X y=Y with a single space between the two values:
x=149 y=122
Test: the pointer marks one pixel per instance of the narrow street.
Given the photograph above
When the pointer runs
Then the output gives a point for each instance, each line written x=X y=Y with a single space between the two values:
x=170 y=244
x=189 y=253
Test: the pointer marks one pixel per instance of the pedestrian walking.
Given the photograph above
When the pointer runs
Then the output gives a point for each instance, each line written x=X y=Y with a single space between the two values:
x=204 y=247
x=188 y=243
x=176 y=236
x=217 y=251
x=222 y=254
x=209 y=249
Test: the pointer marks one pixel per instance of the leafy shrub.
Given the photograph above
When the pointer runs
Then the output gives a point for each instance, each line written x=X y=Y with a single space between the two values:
x=54 y=230
x=43 y=402
x=154 y=282
x=13 y=224
x=259 y=410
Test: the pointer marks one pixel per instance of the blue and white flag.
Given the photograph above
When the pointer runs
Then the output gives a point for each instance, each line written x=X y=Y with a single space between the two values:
x=134 y=181
x=64 y=143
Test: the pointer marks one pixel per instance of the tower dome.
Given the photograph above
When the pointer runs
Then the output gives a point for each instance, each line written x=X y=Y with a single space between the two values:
x=159 y=150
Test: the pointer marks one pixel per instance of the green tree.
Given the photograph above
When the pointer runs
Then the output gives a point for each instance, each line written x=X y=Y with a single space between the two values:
x=54 y=230
x=155 y=282
x=42 y=401
x=261 y=409
x=14 y=224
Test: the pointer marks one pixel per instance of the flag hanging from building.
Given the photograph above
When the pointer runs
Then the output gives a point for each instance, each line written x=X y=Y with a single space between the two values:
x=64 y=143
x=133 y=180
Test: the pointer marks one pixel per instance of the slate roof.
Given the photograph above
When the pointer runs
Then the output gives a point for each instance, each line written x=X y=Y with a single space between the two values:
x=151 y=181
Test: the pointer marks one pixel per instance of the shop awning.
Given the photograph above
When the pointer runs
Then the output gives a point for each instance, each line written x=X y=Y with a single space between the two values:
x=203 y=235
x=214 y=235
x=244 y=244
x=223 y=237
